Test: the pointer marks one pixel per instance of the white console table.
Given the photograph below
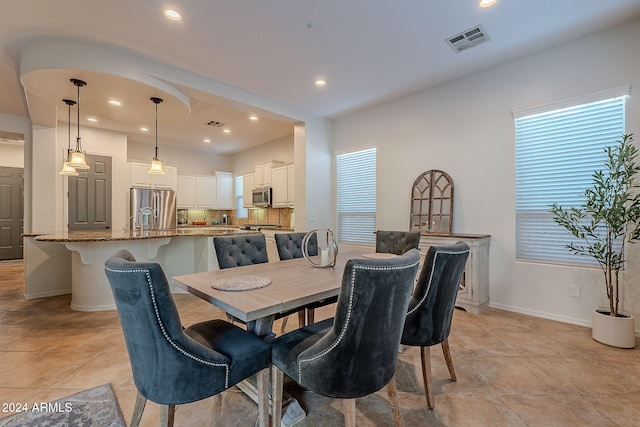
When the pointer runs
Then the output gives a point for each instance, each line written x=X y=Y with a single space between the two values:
x=473 y=294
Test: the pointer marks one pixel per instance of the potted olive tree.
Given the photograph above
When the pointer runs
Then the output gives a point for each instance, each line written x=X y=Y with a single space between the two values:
x=608 y=218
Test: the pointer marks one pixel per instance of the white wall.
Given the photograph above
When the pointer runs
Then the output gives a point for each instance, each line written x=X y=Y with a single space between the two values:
x=11 y=155
x=280 y=149
x=188 y=162
x=466 y=129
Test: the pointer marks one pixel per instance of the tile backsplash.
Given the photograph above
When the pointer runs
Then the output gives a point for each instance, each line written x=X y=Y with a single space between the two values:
x=277 y=216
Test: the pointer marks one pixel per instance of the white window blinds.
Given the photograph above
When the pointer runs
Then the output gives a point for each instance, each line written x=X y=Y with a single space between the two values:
x=356 y=185
x=556 y=154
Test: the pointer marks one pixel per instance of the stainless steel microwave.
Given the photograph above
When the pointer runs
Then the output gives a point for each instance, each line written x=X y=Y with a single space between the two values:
x=261 y=197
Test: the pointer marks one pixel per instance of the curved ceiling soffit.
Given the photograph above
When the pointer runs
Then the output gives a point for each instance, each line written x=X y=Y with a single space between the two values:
x=40 y=55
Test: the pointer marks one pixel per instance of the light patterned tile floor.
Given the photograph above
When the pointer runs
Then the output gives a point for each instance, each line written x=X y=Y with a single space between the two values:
x=513 y=370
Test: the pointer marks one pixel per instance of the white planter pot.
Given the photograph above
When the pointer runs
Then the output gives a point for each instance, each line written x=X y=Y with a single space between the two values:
x=613 y=331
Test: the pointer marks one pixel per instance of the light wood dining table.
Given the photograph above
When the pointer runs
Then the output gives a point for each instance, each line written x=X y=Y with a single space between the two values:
x=294 y=284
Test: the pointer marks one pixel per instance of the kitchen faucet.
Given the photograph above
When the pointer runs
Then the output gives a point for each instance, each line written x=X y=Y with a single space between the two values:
x=141 y=212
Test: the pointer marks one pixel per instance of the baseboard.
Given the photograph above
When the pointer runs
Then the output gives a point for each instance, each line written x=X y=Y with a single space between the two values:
x=544 y=315
x=48 y=294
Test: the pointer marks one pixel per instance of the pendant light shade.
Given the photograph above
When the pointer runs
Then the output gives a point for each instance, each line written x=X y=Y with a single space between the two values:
x=77 y=159
x=66 y=169
x=156 y=163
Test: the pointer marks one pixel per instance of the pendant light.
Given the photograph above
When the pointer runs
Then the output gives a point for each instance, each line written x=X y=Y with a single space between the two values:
x=77 y=159
x=66 y=169
x=156 y=163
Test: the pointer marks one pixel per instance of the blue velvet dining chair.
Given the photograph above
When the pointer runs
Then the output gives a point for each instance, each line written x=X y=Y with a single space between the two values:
x=241 y=249
x=431 y=307
x=172 y=365
x=396 y=242
x=290 y=247
x=355 y=353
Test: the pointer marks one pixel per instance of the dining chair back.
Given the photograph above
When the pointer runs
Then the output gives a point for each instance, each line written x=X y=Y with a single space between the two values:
x=355 y=353
x=431 y=306
x=172 y=365
x=396 y=242
x=290 y=245
x=240 y=249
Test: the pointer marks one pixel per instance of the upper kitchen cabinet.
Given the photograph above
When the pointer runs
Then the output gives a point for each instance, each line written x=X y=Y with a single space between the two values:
x=263 y=174
x=186 y=194
x=224 y=190
x=283 y=186
x=206 y=192
x=140 y=177
x=248 y=184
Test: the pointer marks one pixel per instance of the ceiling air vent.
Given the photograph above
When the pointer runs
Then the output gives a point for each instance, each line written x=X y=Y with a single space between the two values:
x=214 y=123
x=467 y=39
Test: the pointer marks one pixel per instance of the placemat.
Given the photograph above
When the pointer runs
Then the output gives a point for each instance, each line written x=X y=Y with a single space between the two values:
x=378 y=255
x=241 y=283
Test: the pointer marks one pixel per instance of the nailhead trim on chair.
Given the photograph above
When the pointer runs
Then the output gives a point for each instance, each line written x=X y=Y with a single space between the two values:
x=164 y=332
x=431 y=277
x=346 y=324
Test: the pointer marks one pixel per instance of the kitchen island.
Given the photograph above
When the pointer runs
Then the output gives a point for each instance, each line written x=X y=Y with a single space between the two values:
x=73 y=262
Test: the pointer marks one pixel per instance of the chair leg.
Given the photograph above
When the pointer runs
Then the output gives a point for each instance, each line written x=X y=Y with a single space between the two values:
x=447 y=358
x=263 y=397
x=392 y=392
x=138 y=409
x=349 y=411
x=167 y=415
x=285 y=321
x=310 y=316
x=425 y=355
x=277 y=379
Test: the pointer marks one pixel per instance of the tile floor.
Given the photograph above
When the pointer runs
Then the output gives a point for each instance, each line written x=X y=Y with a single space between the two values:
x=513 y=370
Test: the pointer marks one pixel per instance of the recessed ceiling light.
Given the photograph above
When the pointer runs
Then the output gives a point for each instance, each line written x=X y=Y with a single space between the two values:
x=253 y=118
x=172 y=15
x=321 y=83
x=143 y=129
x=226 y=131
x=92 y=119
x=114 y=102
x=487 y=3
x=207 y=140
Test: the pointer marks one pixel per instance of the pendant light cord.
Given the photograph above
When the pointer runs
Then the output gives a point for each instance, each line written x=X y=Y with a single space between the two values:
x=156 y=130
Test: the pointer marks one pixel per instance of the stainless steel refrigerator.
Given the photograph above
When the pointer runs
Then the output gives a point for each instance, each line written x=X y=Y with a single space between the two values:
x=152 y=209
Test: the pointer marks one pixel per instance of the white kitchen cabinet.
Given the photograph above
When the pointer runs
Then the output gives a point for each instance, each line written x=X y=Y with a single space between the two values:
x=283 y=186
x=224 y=190
x=473 y=294
x=205 y=192
x=140 y=177
x=263 y=174
x=248 y=184
x=186 y=194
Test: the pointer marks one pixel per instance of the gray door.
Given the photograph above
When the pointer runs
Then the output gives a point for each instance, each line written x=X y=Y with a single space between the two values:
x=90 y=196
x=11 y=212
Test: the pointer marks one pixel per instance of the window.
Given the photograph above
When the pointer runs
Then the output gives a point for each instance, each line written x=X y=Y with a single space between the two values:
x=557 y=152
x=356 y=184
x=241 y=212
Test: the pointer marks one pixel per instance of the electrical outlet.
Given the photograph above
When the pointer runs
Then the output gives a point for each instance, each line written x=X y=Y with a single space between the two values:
x=575 y=290
x=102 y=282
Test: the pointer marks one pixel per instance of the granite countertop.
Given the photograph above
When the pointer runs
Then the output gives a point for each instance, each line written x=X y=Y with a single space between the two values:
x=113 y=235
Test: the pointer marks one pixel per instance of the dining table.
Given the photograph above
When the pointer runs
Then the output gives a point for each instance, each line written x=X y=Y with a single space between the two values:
x=257 y=294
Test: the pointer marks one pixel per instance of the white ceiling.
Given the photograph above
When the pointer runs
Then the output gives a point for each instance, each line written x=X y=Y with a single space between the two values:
x=367 y=51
